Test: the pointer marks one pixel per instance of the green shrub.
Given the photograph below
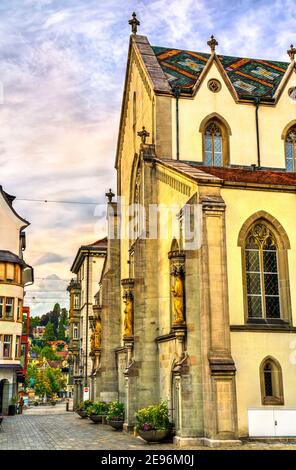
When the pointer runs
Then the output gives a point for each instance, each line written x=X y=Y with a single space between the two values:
x=153 y=417
x=115 y=410
x=99 y=408
x=84 y=405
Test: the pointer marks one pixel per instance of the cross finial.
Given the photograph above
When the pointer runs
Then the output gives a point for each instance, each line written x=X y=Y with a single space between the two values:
x=291 y=52
x=143 y=134
x=134 y=22
x=212 y=42
x=110 y=195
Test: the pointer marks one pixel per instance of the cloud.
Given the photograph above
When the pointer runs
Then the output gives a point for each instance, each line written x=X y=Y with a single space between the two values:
x=49 y=258
x=46 y=292
x=62 y=69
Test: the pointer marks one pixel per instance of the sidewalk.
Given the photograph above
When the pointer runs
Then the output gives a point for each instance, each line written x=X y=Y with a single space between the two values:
x=53 y=428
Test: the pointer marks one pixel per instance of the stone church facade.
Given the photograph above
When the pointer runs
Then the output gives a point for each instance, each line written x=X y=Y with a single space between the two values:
x=208 y=325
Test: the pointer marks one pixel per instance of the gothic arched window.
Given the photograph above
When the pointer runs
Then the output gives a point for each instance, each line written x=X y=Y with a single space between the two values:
x=261 y=269
x=271 y=382
x=213 y=147
x=290 y=147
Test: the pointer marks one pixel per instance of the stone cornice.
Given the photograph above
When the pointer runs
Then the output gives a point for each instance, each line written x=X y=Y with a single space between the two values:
x=167 y=337
x=263 y=328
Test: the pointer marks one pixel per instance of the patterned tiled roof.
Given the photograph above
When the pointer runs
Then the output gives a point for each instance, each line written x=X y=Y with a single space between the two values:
x=256 y=77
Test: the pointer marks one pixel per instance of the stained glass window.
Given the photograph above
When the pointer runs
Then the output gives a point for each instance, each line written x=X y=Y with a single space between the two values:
x=262 y=273
x=291 y=149
x=213 y=145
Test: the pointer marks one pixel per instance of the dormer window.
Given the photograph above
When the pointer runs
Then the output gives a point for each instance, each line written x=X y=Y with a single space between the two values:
x=215 y=134
x=213 y=145
x=290 y=145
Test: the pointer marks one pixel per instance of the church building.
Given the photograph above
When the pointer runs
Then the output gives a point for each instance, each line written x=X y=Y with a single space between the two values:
x=196 y=303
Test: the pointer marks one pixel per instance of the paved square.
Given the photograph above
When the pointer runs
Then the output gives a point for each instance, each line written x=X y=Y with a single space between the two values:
x=52 y=428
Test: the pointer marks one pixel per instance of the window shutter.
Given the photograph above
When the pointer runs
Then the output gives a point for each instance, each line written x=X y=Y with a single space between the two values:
x=2 y=271
x=10 y=272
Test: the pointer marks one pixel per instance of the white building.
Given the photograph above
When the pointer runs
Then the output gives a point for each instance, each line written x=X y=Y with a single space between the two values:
x=15 y=274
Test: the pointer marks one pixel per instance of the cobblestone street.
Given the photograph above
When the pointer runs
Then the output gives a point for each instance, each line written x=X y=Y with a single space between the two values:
x=52 y=428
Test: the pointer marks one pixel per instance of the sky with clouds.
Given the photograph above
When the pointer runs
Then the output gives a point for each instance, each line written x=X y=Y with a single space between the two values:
x=61 y=81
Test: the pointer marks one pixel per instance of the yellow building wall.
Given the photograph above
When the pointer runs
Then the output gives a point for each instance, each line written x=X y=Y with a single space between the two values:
x=241 y=119
x=250 y=348
x=248 y=351
x=272 y=122
x=131 y=142
x=168 y=197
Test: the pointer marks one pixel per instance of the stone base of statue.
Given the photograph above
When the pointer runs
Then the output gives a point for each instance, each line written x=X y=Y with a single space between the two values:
x=128 y=339
x=178 y=325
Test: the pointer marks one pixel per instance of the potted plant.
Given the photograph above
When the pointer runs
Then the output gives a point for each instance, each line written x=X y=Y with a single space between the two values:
x=98 y=411
x=115 y=415
x=13 y=406
x=152 y=423
x=52 y=401
x=83 y=407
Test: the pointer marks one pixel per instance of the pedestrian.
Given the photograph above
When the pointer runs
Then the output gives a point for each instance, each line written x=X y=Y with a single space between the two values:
x=21 y=404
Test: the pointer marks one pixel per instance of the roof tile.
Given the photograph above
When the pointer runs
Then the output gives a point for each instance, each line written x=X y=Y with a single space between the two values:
x=255 y=77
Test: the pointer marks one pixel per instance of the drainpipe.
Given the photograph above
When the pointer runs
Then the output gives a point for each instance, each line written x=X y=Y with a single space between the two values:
x=257 y=103
x=87 y=312
x=176 y=92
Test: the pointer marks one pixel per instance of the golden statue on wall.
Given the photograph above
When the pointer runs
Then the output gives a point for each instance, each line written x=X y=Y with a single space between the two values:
x=98 y=334
x=92 y=342
x=178 y=299
x=128 y=317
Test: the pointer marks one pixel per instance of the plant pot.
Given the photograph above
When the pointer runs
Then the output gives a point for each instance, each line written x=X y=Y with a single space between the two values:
x=96 y=418
x=82 y=414
x=11 y=410
x=116 y=424
x=154 y=435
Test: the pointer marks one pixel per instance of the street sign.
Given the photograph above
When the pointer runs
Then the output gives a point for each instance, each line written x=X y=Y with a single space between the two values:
x=86 y=393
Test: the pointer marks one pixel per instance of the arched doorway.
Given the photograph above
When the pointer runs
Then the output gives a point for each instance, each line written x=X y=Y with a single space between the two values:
x=4 y=391
x=1 y=395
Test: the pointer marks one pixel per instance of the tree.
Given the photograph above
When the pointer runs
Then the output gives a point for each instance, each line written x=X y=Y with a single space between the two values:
x=57 y=382
x=49 y=382
x=52 y=316
x=49 y=354
x=49 y=333
x=55 y=316
x=41 y=386
x=31 y=375
x=38 y=342
x=36 y=348
x=63 y=321
x=34 y=321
